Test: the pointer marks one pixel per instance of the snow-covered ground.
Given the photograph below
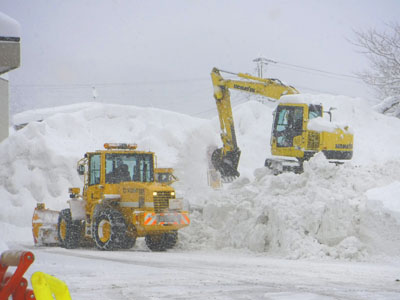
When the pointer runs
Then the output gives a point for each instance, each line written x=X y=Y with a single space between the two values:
x=332 y=232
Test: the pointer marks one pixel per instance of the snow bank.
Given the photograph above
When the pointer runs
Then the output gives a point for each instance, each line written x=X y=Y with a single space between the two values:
x=324 y=212
x=389 y=106
x=320 y=213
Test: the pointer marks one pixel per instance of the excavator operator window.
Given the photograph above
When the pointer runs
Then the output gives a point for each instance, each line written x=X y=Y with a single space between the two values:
x=314 y=111
x=288 y=124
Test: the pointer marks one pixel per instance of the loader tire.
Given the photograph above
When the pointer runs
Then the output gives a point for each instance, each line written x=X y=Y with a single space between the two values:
x=156 y=242
x=128 y=242
x=130 y=237
x=69 y=231
x=161 y=242
x=109 y=230
x=171 y=238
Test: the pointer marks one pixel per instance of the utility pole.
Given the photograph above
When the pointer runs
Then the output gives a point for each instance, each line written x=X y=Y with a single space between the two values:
x=94 y=92
x=260 y=62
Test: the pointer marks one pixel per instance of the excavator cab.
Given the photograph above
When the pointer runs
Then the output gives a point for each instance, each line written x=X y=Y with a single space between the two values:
x=289 y=121
x=292 y=137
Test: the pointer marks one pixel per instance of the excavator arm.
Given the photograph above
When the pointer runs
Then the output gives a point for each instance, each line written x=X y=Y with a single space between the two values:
x=226 y=159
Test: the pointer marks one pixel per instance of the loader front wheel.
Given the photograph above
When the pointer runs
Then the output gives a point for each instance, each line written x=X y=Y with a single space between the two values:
x=109 y=229
x=69 y=231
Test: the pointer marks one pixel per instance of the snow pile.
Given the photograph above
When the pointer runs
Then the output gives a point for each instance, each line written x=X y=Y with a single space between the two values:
x=326 y=211
x=389 y=106
x=323 y=212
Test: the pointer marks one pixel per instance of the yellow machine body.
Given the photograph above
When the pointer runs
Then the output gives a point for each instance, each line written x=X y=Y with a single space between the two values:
x=291 y=136
x=300 y=142
x=121 y=201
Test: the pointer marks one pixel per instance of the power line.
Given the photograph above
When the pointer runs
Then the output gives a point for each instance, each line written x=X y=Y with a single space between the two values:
x=317 y=70
x=267 y=61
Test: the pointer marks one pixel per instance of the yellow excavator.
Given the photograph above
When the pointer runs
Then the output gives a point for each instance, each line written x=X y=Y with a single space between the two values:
x=291 y=134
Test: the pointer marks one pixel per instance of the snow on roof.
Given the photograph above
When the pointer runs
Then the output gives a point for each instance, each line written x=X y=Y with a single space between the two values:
x=320 y=124
x=8 y=26
x=299 y=98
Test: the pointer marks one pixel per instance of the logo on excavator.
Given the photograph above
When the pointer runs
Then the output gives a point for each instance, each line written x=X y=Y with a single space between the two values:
x=344 y=146
x=244 y=88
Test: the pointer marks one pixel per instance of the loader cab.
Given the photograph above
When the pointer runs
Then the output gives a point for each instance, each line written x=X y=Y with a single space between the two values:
x=106 y=170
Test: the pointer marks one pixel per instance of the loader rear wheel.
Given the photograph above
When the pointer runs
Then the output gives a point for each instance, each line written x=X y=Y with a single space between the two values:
x=109 y=230
x=161 y=242
x=69 y=231
x=171 y=238
x=156 y=242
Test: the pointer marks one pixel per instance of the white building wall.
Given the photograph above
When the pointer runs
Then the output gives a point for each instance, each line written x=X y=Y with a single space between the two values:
x=4 y=115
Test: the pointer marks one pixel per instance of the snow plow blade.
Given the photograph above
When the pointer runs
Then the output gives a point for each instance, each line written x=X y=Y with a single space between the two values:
x=226 y=164
x=44 y=226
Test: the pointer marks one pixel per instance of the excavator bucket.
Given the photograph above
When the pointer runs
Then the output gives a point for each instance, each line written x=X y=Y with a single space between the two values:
x=44 y=226
x=226 y=164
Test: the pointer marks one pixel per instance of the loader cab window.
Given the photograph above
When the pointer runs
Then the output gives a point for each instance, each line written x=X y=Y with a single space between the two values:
x=314 y=111
x=288 y=124
x=94 y=169
x=163 y=177
x=129 y=167
x=143 y=170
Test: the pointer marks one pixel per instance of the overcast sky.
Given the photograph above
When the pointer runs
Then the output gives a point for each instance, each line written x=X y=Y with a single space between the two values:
x=160 y=53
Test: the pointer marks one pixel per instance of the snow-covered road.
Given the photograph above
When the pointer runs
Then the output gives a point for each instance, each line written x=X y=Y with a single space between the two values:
x=140 y=274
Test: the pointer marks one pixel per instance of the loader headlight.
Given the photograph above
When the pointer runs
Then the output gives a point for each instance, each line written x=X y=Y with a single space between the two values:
x=154 y=193
x=172 y=193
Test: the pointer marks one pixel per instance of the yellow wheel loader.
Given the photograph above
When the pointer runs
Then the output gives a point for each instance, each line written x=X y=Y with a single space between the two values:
x=291 y=134
x=120 y=202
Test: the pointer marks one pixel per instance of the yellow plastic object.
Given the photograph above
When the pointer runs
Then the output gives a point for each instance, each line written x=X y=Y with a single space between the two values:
x=45 y=286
